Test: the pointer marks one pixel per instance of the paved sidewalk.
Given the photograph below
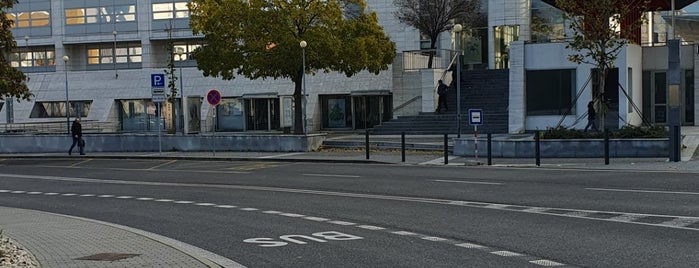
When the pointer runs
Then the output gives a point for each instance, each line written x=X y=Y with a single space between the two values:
x=63 y=241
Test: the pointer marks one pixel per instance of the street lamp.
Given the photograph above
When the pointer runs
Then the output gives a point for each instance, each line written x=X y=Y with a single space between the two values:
x=303 y=45
x=116 y=75
x=180 y=53
x=457 y=33
x=65 y=61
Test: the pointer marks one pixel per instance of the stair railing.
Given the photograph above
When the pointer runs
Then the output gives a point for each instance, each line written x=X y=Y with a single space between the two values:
x=434 y=90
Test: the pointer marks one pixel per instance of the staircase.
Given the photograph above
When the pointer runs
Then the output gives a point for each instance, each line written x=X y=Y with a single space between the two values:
x=487 y=90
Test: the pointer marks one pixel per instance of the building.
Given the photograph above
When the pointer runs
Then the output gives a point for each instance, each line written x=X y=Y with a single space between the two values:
x=113 y=47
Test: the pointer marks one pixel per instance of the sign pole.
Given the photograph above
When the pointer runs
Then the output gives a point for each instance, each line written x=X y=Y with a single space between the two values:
x=475 y=141
x=214 y=132
x=160 y=141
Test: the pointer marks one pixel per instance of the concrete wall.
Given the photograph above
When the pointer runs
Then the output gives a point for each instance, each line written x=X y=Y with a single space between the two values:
x=565 y=148
x=152 y=143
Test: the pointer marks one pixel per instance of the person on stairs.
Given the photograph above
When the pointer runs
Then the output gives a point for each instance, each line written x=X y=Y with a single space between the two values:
x=442 y=92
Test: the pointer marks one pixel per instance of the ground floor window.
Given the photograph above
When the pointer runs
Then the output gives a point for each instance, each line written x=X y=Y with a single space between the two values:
x=230 y=115
x=550 y=92
x=139 y=116
x=56 y=109
x=360 y=110
x=337 y=111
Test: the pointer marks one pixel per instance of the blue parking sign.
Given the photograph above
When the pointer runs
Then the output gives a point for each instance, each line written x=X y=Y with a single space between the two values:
x=157 y=80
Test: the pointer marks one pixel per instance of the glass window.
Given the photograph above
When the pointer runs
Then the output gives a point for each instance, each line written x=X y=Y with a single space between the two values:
x=550 y=92
x=56 y=109
x=24 y=19
x=100 y=14
x=503 y=36
x=547 y=22
x=186 y=48
x=32 y=57
x=163 y=11
x=106 y=53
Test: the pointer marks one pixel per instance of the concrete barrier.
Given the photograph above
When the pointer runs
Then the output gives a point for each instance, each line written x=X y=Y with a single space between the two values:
x=151 y=143
x=564 y=148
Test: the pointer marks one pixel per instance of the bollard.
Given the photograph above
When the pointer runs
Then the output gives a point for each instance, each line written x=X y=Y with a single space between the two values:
x=490 y=149
x=537 y=149
x=366 y=143
x=606 y=146
x=402 y=146
x=446 y=149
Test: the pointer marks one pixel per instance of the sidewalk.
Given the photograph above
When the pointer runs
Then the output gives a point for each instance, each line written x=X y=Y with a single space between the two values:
x=63 y=241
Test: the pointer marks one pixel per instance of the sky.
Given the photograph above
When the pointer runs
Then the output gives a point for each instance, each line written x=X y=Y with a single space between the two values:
x=693 y=8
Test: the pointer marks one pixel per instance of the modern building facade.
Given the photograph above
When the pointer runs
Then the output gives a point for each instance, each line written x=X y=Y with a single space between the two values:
x=113 y=47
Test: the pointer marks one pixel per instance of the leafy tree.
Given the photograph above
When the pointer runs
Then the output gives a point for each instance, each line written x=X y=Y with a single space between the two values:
x=432 y=17
x=260 y=39
x=172 y=79
x=599 y=36
x=13 y=83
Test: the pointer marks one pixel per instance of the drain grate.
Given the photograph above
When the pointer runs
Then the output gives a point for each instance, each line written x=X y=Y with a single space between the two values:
x=107 y=257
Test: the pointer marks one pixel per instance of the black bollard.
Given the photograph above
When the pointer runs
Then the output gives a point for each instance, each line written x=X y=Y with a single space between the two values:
x=490 y=149
x=366 y=143
x=446 y=149
x=606 y=146
x=537 y=149
x=402 y=146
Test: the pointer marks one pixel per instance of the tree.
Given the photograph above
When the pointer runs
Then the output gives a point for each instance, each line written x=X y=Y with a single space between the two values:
x=13 y=82
x=260 y=39
x=172 y=80
x=599 y=35
x=432 y=17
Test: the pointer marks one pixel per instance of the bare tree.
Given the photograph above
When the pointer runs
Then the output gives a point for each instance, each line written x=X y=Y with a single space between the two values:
x=432 y=17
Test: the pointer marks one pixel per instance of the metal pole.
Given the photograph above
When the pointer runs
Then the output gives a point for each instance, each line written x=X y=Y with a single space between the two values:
x=213 y=133
x=183 y=100
x=446 y=149
x=303 y=92
x=67 y=100
x=606 y=146
x=537 y=148
x=114 y=57
x=475 y=142
x=490 y=147
x=458 y=84
x=366 y=143
x=160 y=142
x=402 y=146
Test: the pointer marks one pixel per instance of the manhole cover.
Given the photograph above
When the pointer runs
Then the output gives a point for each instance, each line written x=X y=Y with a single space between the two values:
x=107 y=257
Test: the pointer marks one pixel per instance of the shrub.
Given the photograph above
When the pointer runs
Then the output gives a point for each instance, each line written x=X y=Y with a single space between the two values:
x=626 y=132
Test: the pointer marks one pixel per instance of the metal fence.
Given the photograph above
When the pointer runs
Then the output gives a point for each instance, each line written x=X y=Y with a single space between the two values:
x=419 y=59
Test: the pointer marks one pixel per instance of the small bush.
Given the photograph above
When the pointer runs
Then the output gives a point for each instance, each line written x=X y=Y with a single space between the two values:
x=626 y=132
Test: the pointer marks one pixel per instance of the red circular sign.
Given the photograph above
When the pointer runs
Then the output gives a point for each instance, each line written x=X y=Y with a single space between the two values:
x=213 y=97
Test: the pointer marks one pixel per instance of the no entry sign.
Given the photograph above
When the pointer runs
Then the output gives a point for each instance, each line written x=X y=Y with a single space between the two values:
x=213 y=97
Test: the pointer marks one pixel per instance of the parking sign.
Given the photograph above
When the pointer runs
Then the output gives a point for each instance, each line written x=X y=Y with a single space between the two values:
x=157 y=80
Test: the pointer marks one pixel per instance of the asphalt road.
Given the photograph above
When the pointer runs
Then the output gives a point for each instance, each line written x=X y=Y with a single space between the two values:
x=268 y=214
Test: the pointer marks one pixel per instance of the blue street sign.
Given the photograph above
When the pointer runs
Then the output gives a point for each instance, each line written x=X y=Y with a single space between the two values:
x=157 y=80
x=475 y=116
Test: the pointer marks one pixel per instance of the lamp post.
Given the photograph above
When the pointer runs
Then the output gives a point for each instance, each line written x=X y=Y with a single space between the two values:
x=457 y=33
x=303 y=45
x=114 y=57
x=65 y=61
x=180 y=53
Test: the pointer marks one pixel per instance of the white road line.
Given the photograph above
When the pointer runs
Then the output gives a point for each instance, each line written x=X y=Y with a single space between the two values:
x=105 y=196
x=124 y=197
x=438 y=161
x=163 y=200
x=271 y=212
x=292 y=215
x=345 y=223
x=371 y=227
x=204 y=204
x=69 y=194
x=331 y=175
x=18 y=192
x=50 y=193
x=681 y=222
x=506 y=253
x=434 y=238
x=86 y=195
x=471 y=182
x=226 y=206
x=469 y=245
x=34 y=193
x=145 y=198
x=4 y=191
x=248 y=209
x=184 y=202
x=403 y=233
x=547 y=263
x=316 y=219
x=279 y=155
x=641 y=191
x=161 y=165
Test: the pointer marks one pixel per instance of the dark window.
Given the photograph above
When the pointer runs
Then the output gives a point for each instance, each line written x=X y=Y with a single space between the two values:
x=56 y=109
x=550 y=92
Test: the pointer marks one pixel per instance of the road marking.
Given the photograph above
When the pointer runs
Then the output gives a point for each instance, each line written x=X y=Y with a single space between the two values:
x=248 y=209
x=271 y=212
x=345 y=223
x=641 y=191
x=163 y=200
x=105 y=196
x=145 y=198
x=184 y=202
x=371 y=227
x=681 y=222
x=81 y=162
x=506 y=253
x=4 y=191
x=471 y=182
x=470 y=245
x=161 y=165
x=279 y=155
x=438 y=161
x=124 y=197
x=18 y=192
x=434 y=238
x=292 y=215
x=316 y=219
x=403 y=233
x=547 y=263
x=331 y=175
x=34 y=193
x=87 y=195
x=50 y=193
x=204 y=204
x=226 y=206
x=69 y=194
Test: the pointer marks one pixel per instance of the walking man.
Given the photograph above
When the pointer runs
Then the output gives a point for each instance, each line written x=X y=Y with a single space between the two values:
x=591 y=116
x=442 y=92
x=77 y=133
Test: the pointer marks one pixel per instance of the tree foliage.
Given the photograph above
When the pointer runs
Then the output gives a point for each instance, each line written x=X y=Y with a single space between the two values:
x=432 y=17
x=599 y=36
x=13 y=82
x=260 y=39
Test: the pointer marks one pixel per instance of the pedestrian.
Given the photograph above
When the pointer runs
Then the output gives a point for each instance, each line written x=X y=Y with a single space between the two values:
x=442 y=92
x=591 y=116
x=77 y=133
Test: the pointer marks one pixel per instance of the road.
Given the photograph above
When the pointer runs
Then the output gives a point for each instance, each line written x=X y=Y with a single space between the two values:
x=282 y=214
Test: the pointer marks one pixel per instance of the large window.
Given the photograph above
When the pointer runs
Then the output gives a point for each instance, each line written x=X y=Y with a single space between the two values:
x=550 y=92
x=547 y=23
x=33 y=57
x=106 y=53
x=503 y=36
x=106 y=14
x=55 y=109
x=172 y=10
x=37 y=18
x=185 y=48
